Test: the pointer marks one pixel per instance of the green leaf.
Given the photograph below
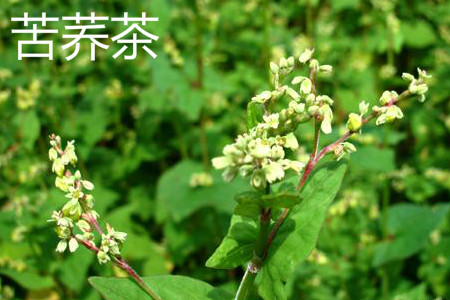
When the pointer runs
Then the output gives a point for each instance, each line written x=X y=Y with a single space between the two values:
x=176 y=199
x=408 y=226
x=298 y=235
x=29 y=280
x=254 y=114
x=381 y=160
x=30 y=128
x=418 y=34
x=168 y=287
x=417 y=293
x=249 y=204
x=238 y=245
x=283 y=199
x=74 y=269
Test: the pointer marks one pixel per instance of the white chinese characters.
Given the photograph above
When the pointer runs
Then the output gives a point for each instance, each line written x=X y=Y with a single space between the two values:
x=87 y=28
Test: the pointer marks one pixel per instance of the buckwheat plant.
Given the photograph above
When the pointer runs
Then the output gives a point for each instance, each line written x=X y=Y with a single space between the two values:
x=276 y=223
x=77 y=222
x=260 y=234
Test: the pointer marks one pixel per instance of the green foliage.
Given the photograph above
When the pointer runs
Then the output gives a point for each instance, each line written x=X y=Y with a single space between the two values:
x=408 y=229
x=237 y=246
x=299 y=233
x=144 y=127
x=167 y=287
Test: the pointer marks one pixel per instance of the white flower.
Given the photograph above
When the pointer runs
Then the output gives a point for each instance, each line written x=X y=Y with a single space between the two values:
x=52 y=154
x=324 y=99
x=62 y=245
x=259 y=150
x=73 y=245
x=298 y=79
x=221 y=162
x=291 y=141
x=306 y=86
x=58 y=167
x=87 y=185
x=363 y=107
x=273 y=172
x=306 y=55
x=274 y=68
x=103 y=257
x=297 y=107
x=277 y=152
x=272 y=120
x=387 y=97
x=263 y=97
x=327 y=114
x=408 y=77
x=326 y=69
x=293 y=94
x=354 y=122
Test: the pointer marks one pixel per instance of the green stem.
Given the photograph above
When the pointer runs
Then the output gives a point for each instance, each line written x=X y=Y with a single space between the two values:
x=255 y=264
x=267 y=44
x=199 y=85
x=309 y=20
x=246 y=284
x=384 y=220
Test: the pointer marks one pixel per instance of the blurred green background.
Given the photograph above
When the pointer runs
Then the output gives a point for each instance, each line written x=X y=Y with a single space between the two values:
x=145 y=129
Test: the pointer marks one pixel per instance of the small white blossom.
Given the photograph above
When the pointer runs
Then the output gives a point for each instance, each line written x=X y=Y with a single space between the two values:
x=306 y=55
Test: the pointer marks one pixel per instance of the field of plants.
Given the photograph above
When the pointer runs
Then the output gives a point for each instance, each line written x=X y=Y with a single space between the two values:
x=272 y=150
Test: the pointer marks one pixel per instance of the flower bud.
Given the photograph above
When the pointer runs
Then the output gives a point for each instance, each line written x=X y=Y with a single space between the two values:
x=61 y=247
x=314 y=64
x=324 y=99
x=52 y=154
x=310 y=100
x=326 y=69
x=272 y=120
x=298 y=79
x=363 y=107
x=87 y=185
x=421 y=89
x=407 y=77
x=291 y=62
x=258 y=179
x=58 y=167
x=387 y=97
x=73 y=245
x=297 y=107
x=312 y=110
x=291 y=141
x=306 y=55
x=293 y=94
x=306 y=86
x=221 y=162
x=274 y=68
x=354 y=122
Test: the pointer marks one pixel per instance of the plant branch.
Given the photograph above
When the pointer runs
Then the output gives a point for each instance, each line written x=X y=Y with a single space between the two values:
x=255 y=264
x=121 y=263
x=314 y=159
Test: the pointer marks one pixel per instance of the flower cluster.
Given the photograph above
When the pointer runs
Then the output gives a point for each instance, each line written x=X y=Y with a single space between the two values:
x=111 y=244
x=26 y=98
x=78 y=213
x=259 y=156
x=388 y=112
x=261 y=152
x=201 y=179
